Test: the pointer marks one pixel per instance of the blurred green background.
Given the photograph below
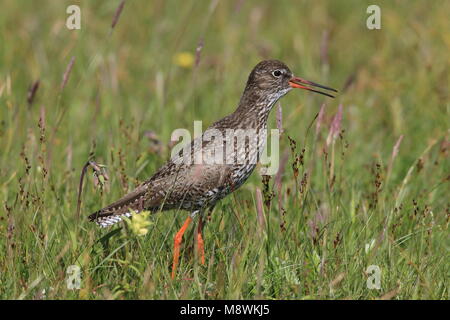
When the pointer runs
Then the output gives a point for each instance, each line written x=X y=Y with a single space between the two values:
x=168 y=63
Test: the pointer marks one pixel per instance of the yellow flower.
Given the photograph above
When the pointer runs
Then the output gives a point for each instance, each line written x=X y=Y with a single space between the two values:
x=184 y=59
x=139 y=224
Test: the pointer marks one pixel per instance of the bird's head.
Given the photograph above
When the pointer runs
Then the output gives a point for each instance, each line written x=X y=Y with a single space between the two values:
x=273 y=79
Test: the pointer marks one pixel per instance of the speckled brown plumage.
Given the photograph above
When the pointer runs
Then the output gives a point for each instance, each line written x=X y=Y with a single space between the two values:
x=199 y=185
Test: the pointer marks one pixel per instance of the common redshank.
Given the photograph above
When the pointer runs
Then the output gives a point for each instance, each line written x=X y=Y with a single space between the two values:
x=214 y=165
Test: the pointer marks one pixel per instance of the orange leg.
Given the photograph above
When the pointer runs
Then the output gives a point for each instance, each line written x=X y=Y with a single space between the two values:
x=176 y=246
x=200 y=243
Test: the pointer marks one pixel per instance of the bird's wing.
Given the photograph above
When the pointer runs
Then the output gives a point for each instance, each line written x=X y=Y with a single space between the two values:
x=145 y=196
x=120 y=208
x=197 y=186
x=175 y=185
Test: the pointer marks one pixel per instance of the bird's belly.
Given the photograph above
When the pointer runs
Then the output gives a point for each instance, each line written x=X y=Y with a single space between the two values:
x=248 y=159
x=241 y=174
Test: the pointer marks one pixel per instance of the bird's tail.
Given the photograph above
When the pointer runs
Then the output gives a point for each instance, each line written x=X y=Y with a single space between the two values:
x=125 y=207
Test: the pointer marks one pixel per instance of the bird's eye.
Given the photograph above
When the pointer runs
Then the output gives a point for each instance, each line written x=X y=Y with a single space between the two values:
x=277 y=73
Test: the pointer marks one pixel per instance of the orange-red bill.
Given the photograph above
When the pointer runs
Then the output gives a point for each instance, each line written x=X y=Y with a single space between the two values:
x=300 y=83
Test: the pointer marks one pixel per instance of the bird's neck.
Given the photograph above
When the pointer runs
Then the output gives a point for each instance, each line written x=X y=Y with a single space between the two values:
x=254 y=108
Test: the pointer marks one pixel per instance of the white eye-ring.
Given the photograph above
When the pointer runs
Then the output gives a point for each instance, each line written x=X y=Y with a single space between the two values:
x=277 y=73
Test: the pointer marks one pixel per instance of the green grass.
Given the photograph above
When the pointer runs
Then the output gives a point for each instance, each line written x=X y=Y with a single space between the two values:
x=392 y=82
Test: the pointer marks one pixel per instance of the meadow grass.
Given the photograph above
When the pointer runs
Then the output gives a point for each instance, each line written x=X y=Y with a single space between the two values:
x=371 y=190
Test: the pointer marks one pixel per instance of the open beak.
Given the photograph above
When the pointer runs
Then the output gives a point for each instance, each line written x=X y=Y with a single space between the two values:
x=300 y=83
